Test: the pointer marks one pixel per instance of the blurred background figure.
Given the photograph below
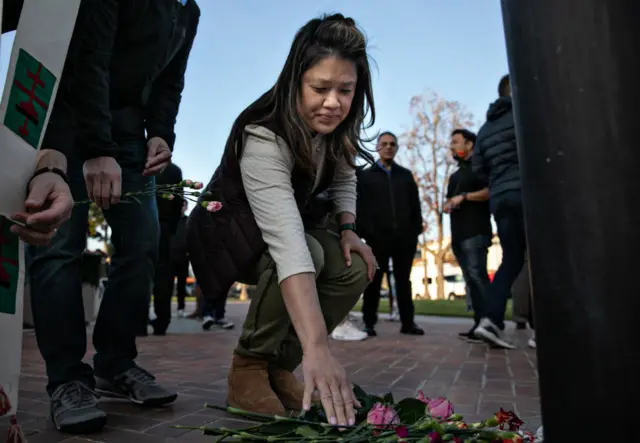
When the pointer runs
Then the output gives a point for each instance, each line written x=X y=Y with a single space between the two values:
x=170 y=213
x=180 y=260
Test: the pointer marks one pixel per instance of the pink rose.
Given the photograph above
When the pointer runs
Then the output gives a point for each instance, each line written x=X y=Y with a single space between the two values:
x=438 y=407
x=197 y=185
x=214 y=206
x=381 y=415
x=188 y=183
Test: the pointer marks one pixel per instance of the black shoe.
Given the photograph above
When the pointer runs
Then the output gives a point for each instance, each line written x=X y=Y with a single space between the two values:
x=490 y=333
x=470 y=336
x=371 y=332
x=412 y=330
x=74 y=409
x=157 y=330
x=137 y=385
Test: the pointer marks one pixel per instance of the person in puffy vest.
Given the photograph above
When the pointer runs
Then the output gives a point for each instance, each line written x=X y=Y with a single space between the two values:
x=297 y=140
x=495 y=161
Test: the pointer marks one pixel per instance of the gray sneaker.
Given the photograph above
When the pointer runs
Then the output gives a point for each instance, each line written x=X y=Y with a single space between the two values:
x=137 y=385
x=208 y=322
x=74 y=409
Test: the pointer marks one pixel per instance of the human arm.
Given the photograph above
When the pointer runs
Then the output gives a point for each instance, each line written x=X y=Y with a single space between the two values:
x=477 y=160
x=416 y=208
x=48 y=203
x=166 y=92
x=476 y=196
x=80 y=122
x=343 y=194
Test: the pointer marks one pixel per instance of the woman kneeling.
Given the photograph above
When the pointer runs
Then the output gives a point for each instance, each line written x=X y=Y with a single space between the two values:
x=292 y=146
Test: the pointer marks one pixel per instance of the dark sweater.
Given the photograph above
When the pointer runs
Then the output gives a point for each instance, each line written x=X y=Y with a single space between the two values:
x=471 y=218
x=495 y=154
x=122 y=54
x=388 y=202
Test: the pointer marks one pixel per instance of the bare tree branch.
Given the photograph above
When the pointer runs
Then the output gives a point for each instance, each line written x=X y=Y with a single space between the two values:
x=427 y=153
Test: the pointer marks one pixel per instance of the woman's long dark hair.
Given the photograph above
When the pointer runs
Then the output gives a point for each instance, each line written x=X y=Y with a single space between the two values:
x=329 y=36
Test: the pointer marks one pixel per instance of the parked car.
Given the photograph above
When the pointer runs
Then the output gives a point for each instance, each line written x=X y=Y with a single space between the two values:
x=455 y=286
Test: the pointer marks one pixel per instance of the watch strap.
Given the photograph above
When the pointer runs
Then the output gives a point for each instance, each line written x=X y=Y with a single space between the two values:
x=44 y=170
x=347 y=227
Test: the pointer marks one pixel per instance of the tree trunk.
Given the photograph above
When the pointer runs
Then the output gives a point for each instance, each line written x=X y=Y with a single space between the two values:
x=425 y=264
x=440 y=278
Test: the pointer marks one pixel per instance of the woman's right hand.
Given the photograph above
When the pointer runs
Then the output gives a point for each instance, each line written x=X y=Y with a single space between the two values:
x=324 y=373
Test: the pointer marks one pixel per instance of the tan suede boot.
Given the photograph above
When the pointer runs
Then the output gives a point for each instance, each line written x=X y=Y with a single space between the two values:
x=249 y=387
x=288 y=388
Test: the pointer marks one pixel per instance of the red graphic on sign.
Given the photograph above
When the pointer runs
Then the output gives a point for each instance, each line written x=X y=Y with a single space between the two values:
x=5 y=278
x=27 y=108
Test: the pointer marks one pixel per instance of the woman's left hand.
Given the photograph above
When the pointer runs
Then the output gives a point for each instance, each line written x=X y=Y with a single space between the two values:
x=350 y=242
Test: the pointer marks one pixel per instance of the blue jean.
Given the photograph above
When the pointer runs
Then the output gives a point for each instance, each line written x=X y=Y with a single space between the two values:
x=56 y=289
x=509 y=217
x=471 y=254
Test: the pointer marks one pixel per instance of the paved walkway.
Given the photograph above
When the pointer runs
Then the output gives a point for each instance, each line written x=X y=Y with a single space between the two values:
x=477 y=380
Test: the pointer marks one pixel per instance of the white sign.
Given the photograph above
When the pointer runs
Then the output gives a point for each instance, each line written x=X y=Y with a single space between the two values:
x=37 y=58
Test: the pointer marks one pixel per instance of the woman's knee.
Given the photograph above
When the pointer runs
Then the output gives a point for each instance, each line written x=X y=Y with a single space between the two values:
x=358 y=274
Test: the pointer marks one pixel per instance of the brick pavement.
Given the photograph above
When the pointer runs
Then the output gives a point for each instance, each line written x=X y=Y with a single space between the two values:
x=477 y=380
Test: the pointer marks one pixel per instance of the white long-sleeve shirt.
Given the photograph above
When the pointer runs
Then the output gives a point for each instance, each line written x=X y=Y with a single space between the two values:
x=266 y=166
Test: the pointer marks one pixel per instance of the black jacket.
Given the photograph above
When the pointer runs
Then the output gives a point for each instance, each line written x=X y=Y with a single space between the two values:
x=388 y=203
x=123 y=53
x=471 y=218
x=495 y=154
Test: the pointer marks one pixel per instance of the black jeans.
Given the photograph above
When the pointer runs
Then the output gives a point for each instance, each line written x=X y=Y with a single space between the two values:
x=163 y=282
x=181 y=272
x=509 y=217
x=56 y=287
x=471 y=254
x=402 y=250
x=214 y=308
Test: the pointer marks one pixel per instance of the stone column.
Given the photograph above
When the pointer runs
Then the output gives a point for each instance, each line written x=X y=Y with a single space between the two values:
x=576 y=85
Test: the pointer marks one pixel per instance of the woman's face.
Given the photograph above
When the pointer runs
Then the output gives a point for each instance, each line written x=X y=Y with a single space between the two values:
x=326 y=94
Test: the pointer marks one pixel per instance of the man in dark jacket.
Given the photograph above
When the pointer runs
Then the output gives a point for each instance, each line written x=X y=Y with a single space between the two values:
x=115 y=112
x=169 y=212
x=495 y=159
x=468 y=208
x=180 y=259
x=390 y=221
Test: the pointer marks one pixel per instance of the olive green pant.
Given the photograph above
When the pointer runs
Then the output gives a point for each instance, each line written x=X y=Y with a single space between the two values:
x=268 y=333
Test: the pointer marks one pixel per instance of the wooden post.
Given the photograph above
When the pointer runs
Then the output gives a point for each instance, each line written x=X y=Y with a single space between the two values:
x=575 y=77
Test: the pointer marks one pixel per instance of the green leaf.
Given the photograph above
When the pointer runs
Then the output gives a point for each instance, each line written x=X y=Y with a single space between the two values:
x=307 y=431
x=388 y=398
x=410 y=410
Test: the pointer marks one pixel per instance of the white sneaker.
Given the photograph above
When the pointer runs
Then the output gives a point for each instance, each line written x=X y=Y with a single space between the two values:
x=180 y=313
x=532 y=342
x=490 y=333
x=346 y=331
x=395 y=315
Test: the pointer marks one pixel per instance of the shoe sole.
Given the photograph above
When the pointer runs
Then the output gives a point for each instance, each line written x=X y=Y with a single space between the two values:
x=90 y=426
x=153 y=402
x=492 y=338
x=349 y=338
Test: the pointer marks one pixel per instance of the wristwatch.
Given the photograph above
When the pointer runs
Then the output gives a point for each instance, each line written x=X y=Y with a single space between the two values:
x=464 y=195
x=347 y=227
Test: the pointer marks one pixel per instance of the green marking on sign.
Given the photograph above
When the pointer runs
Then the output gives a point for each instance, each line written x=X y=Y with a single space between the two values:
x=29 y=98
x=9 y=266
